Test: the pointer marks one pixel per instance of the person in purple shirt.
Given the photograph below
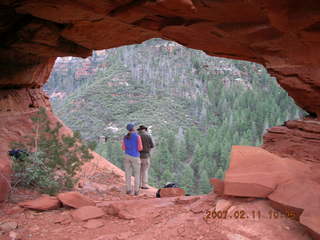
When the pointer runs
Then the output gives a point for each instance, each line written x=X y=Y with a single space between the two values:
x=132 y=145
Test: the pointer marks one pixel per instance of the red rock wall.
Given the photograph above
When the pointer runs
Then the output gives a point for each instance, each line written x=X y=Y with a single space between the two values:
x=299 y=139
x=16 y=108
x=291 y=185
x=283 y=35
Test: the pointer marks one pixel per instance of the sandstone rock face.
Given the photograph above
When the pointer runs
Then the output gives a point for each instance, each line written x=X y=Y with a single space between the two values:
x=172 y=192
x=282 y=35
x=254 y=172
x=43 y=203
x=74 y=199
x=299 y=139
x=311 y=219
x=16 y=108
x=293 y=186
x=292 y=195
x=218 y=185
x=299 y=199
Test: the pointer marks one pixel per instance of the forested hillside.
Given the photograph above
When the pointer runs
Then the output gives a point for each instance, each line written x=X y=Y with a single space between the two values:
x=196 y=106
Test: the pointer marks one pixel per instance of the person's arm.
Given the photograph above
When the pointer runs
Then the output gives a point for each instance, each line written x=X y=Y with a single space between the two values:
x=123 y=146
x=151 y=142
x=140 y=147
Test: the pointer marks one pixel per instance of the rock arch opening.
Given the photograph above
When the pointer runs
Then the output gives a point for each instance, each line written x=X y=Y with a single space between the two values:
x=196 y=106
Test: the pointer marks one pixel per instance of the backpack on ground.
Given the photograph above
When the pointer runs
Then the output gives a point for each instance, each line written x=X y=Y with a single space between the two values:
x=168 y=185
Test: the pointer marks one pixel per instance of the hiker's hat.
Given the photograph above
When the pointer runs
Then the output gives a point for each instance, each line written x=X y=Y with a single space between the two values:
x=130 y=126
x=141 y=127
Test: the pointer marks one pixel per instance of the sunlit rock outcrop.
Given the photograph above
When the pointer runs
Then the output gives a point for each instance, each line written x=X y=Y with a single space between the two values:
x=292 y=186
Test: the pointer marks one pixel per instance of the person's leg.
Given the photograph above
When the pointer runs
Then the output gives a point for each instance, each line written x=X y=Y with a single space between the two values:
x=145 y=164
x=142 y=171
x=128 y=170
x=136 y=162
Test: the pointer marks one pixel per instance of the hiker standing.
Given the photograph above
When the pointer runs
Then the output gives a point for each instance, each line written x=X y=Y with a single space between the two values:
x=131 y=145
x=147 y=144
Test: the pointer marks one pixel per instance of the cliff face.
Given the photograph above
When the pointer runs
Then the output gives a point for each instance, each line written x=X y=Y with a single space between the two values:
x=16 y=108
x=299 y=139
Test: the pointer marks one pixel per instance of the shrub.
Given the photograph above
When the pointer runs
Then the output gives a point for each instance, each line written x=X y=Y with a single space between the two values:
x=51 y=160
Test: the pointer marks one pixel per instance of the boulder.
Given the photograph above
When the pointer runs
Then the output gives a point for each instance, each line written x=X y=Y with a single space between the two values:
x=255 y=172
x=4 y=175
x=217 y=185
x=298 y=139
x=292 y=199
x=14 y=236
x=126 y=215
x=120 y=211
x=186 y=200
x=8 y=226
x=311 y=219
x=223 y=205
x=87 y=212
x=93 y=223
x=113 y=209
x=43 y=203
x=14 y=210
x=172 y=192
x=75 y=199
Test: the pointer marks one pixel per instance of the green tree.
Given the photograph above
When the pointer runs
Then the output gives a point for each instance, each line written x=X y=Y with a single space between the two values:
x=186 y=179
x=52 y=160
x=219 y=173
x=205 y=186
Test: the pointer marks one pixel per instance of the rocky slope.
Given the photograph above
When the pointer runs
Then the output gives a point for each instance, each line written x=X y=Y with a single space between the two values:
x=271 y=33
x=116 y=216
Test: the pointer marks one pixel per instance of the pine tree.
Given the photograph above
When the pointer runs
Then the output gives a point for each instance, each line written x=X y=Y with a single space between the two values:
x=219 y=173
x=186 y=179
x=205 y=186
x=53 y=160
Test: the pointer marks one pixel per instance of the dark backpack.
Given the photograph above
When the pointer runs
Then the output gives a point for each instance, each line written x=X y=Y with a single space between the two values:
x=17 y=153
x=168 y=185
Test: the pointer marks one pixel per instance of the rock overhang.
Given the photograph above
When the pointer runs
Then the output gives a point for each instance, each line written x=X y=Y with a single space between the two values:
x=282 y=35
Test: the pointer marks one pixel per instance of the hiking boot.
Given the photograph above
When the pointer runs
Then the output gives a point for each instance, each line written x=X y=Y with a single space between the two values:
x=144 y=188
x=129 y=192
x=136 y=193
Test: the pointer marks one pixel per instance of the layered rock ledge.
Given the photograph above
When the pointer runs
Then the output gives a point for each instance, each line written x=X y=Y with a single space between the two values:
x=291 y=185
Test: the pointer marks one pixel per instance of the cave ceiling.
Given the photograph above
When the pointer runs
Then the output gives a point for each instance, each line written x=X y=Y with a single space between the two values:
x=283 y=35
